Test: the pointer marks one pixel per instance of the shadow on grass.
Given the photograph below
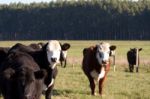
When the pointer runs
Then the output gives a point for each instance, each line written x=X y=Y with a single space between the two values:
x=57 y=92
x=126 y=70
x=61 y=92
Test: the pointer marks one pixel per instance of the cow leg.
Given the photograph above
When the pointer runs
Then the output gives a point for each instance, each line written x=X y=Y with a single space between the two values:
x=61 y=63
x=48 y=93
x=51 y=86
x=92 y=85
x=65 y=63
x=101 y=85
x=131 y=68
x=137 y=69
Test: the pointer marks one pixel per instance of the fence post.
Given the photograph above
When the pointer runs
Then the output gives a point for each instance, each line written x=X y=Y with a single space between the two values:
x=137 y=59
x=114 y=63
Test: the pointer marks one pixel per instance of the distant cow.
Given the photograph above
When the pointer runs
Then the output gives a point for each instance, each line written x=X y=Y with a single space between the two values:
x=63 y=54
x=133 y=58
x=96 y=64
x=47 y=58
x=21 y=77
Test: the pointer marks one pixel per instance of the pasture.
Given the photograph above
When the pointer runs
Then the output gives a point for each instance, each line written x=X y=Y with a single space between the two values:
x=71 y=83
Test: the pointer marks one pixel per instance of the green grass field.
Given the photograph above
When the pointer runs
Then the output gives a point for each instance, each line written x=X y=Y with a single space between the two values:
x=71 y=83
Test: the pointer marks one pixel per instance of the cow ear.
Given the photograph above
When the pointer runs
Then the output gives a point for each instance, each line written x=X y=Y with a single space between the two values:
x=140 y=49
x=65 y=46
x=113 y=47
x=44 y=46
x=8 y=73
x=41 y=44
x=40 y=74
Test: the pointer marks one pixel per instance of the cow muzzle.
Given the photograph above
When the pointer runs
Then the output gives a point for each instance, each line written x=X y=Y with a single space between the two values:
x=54 y=59
x=105 y=63
x=29 y=97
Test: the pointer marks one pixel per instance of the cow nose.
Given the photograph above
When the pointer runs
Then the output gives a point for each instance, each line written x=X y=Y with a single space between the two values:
x=53 y=59
x=104 y=61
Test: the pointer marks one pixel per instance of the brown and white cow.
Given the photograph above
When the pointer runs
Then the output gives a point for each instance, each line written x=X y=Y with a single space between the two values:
x=96 y=64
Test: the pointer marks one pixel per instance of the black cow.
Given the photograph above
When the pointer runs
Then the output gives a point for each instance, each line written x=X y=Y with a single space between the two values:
x=47 y=58
x=133 y=58
x=21 y=77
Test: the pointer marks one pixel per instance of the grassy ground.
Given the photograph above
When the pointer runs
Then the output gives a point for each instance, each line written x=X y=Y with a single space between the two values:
x=71 y=83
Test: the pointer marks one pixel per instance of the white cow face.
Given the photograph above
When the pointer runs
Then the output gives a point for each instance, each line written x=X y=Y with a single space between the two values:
x=103 y=52
x=53 y=52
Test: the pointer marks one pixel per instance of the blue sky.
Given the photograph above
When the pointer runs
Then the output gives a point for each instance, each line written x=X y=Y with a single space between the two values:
x=23 y=1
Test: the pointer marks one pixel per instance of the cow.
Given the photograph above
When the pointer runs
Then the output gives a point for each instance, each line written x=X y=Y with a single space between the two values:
x=63 y=54
x=47 y=58
x=37 y=47
x=96 y=63
x=133 y=58
x=21 y=77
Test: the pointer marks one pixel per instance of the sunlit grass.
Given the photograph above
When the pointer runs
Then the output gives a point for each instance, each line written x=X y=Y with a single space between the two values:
x=71 y=83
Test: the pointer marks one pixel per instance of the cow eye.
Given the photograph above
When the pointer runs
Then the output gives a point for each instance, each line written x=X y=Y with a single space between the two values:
x=100 y=54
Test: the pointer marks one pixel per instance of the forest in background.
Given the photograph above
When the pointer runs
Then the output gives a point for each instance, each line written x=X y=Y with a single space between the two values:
x=76 y=20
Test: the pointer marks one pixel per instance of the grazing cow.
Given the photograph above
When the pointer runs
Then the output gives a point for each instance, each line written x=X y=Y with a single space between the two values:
x=133 y=58
x=47 y=58
x=21 y=77
x=96 y=64
x=63 y=54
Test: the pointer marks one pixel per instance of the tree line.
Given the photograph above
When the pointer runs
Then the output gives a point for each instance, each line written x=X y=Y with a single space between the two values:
x=76 y=20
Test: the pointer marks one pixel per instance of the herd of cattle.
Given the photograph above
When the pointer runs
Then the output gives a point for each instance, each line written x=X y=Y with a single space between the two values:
x=28 y=70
